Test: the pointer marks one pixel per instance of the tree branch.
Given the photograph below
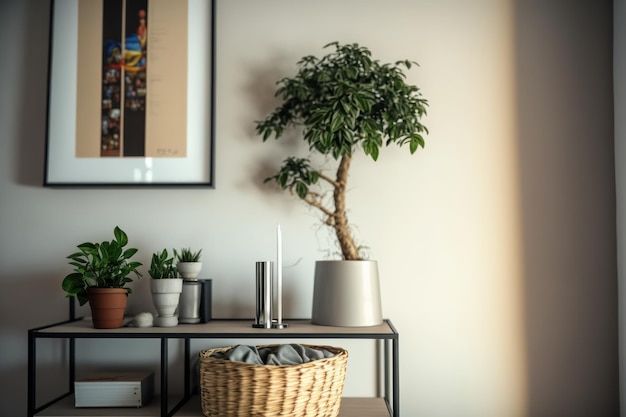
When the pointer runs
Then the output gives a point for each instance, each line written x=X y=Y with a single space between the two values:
x=315 y=203
x=328 y=179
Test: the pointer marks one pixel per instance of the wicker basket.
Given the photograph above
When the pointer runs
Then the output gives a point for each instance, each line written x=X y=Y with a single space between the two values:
x=237 y=389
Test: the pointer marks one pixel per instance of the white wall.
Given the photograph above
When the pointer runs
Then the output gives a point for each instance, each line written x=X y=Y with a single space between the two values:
x=496 y=243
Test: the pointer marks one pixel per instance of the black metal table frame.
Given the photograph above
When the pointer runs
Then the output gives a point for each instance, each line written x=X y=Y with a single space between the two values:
x=389 y=341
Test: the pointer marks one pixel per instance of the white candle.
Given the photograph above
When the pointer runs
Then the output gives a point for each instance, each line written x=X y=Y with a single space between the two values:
x=279 y=273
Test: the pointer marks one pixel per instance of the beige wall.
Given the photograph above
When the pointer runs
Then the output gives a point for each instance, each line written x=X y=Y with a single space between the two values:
x=496 y=243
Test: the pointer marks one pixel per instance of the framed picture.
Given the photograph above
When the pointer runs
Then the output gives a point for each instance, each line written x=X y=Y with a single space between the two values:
x=130 y=93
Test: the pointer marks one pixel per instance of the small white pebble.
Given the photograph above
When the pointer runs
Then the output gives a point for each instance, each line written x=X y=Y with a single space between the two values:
x=143 y=320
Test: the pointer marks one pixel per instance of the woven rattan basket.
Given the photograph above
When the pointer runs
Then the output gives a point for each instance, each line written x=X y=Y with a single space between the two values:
x=237 y=389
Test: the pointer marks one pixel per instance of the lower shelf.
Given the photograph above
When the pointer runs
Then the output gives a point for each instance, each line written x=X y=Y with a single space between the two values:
x=350 y=407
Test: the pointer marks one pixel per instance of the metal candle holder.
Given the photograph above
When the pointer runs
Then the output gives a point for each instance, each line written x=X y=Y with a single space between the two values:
x=263 y=319
x=264 y=298
x=278 y=323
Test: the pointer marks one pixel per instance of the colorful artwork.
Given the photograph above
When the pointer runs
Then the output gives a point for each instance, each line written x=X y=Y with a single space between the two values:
x=121 y=83
x=111 y=78
x=124 y=74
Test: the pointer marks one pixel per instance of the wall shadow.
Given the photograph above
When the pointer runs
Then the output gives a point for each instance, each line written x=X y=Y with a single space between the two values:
x=563 y=65
x=27 y=303
x=30 y=153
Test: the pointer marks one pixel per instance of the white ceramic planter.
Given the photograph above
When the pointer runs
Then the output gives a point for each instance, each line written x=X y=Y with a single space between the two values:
x=165 y=297
x=346 y=293
x=189 y=270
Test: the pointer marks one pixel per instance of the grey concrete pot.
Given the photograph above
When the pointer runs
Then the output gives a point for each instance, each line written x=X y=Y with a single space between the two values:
x=346 y=293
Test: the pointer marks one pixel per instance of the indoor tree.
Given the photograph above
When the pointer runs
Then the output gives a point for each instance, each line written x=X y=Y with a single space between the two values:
x=344 y=101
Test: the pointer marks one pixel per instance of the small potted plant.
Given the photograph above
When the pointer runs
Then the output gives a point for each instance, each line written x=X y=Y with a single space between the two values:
x=166 y=287
x=101 y=273
x=188 y=263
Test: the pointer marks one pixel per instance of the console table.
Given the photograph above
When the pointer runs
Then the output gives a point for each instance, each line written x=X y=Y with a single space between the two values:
x=188 y=405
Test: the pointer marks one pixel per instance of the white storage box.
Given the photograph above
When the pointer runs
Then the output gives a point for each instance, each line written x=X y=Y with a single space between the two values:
x=114 y=390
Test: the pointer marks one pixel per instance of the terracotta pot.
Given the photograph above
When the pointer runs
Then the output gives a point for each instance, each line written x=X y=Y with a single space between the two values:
x=107 y=307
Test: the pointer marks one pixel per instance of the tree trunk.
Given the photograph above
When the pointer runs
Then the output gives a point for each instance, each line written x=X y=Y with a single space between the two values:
x=349 y=250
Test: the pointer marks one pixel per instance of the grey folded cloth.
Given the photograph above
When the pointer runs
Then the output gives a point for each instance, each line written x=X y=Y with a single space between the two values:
x=292 y=354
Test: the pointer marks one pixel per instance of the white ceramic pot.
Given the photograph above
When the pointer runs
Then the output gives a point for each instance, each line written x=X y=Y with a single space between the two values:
x=165 y=297
x=346 y=293
x=189 y=270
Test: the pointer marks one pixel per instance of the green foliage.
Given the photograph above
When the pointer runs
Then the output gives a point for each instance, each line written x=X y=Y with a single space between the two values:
x=347 y=100
x=186 y=255
x=296 y=175
x=344 y=101
x=162 y=267
x=102 y=265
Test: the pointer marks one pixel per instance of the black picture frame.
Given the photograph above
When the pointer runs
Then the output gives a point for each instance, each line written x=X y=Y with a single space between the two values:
x=158 y=165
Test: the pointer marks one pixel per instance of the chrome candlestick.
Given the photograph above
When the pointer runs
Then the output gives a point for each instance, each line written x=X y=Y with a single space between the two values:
x=265 y=290
x=263 y=319
x=278 y=323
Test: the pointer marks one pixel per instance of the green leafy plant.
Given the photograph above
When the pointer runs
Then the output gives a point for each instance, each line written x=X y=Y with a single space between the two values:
x=161 y=266
x=187 y=255
x=102 y=265
x=344 y=101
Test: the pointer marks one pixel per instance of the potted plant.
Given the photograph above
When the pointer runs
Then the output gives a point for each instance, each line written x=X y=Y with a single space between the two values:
x=165 y=287
x=101 y=273
x=344 y=102
x=188 y=263
x=191 y=299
